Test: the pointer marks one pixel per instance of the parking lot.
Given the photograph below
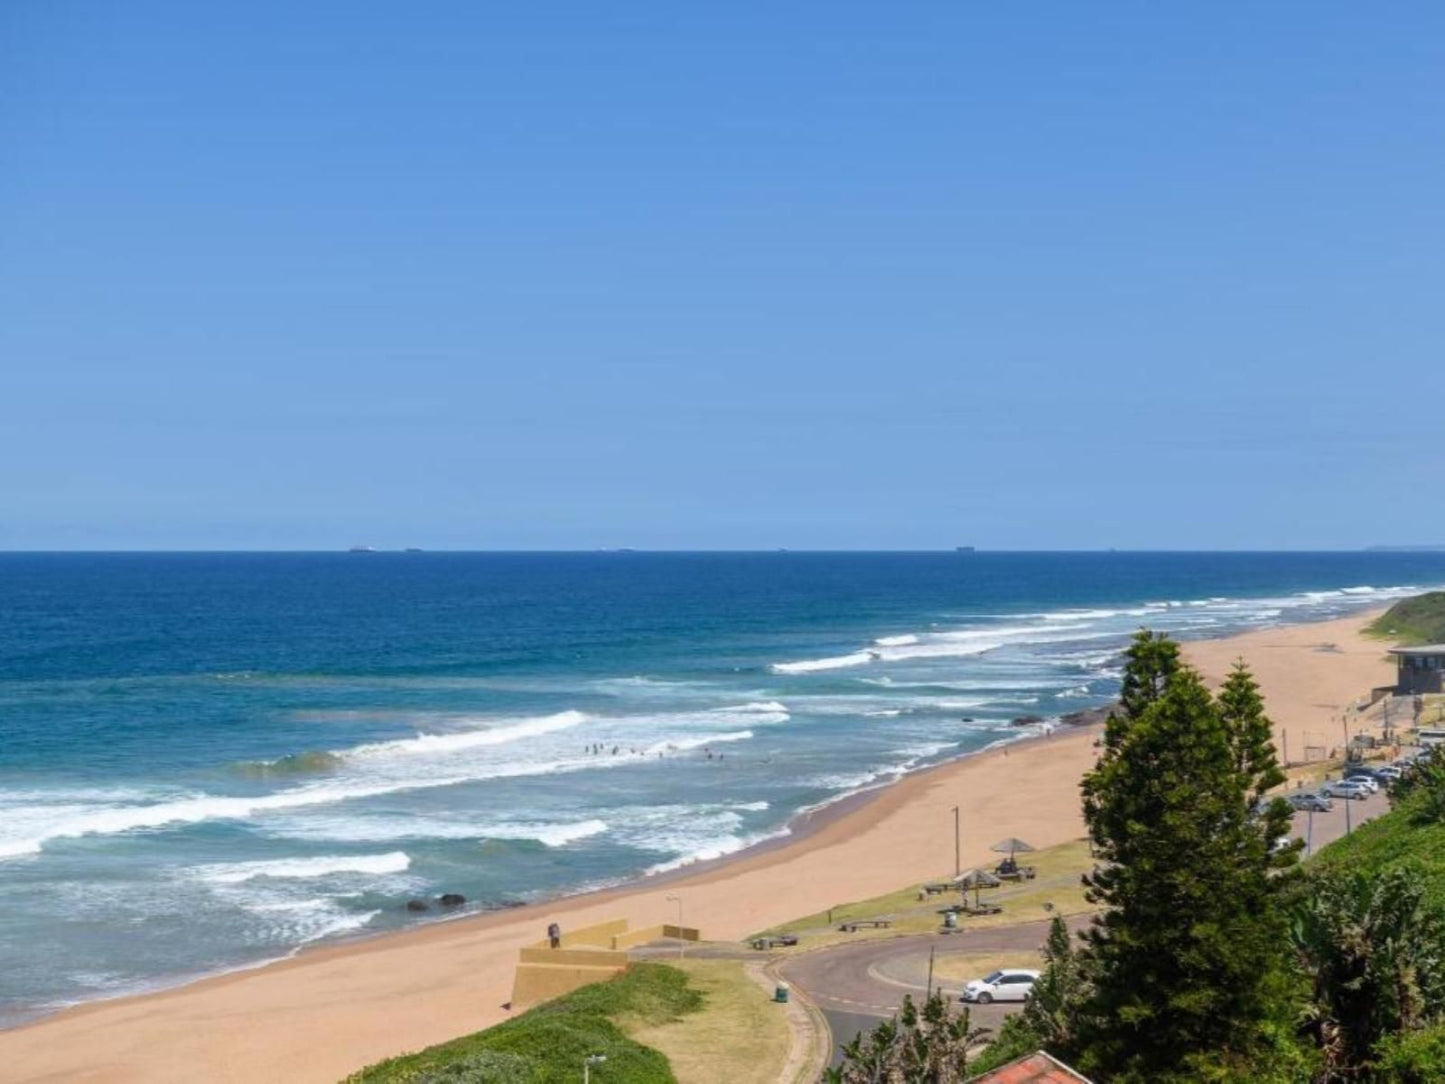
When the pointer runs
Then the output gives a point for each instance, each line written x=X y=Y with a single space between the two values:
x=1321 y=829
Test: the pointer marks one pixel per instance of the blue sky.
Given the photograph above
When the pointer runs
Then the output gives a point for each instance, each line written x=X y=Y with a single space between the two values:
x=662 y=275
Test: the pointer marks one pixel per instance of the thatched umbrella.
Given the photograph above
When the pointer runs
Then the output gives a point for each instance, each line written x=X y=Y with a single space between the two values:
x=1011 y=846
x=975 y=879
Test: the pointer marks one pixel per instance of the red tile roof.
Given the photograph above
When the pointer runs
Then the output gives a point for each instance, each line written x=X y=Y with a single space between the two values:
x=1037 y=1068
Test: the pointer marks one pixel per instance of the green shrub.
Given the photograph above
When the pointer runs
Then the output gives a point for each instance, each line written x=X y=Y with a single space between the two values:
x=548 y=1043
x=1412 y=1057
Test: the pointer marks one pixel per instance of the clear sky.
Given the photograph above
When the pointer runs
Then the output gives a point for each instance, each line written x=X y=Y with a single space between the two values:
x=838 y=275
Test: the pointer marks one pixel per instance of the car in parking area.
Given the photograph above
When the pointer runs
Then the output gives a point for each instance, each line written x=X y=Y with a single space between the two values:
x=1364 y=776
x=1389 y=773
x=1006 y=984
x=1346 y=788
x=1309 y=802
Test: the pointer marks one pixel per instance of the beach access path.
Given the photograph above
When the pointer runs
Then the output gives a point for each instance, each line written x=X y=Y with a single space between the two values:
x=333 y=1009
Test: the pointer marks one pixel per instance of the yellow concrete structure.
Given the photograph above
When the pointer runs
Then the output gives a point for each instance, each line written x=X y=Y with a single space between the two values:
x=590 y=954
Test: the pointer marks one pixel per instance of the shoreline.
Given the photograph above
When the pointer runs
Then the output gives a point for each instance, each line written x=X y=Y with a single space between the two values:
x=380 y=994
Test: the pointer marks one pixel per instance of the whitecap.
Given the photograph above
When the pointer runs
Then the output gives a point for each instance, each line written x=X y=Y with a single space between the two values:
x=228 y=873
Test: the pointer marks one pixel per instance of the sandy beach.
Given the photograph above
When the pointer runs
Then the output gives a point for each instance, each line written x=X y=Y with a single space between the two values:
x=334 y=1009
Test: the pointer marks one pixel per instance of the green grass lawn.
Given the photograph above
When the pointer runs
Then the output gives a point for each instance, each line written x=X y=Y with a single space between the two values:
x=1056 y=884
x=740 y=1036
x=547 y=1044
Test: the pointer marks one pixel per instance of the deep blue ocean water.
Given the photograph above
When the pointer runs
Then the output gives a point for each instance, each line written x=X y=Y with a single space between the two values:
x=209 y=760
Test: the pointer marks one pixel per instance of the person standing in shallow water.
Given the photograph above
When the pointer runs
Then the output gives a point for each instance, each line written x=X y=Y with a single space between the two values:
x=554 y=935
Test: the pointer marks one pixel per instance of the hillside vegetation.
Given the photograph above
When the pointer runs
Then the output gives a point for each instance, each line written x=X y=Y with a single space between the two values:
x=1418 y=620
x=547 y=1044
x=1411 y=836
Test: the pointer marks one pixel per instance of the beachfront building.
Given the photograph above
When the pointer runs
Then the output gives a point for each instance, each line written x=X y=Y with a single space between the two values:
x=1422 y=669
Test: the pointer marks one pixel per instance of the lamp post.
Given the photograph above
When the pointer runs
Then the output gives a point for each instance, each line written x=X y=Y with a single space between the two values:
x=681 y=941
x=957 y=865
x=587 y=1063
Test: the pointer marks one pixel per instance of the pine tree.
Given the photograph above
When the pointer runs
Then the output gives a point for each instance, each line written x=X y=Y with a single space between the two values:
x=1152 y=660
x=1052 y=1010
x=1187 y=955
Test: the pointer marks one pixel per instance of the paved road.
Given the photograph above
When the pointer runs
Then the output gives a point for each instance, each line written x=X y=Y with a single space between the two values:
x=856 y=985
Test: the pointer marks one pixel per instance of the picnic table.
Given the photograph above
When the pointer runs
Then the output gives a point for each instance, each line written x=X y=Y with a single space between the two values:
x=786 y=940
x=1018 y=873
x=871 y=923
x=938 y=888
x=981 y=909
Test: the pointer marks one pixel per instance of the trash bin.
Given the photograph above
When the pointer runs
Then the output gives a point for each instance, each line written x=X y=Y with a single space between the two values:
x=780 y=993
x=950 y=920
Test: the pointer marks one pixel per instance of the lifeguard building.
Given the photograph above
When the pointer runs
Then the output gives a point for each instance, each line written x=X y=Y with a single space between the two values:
x=1422 y=669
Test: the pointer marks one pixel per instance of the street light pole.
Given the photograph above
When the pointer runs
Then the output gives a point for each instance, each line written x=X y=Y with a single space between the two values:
x=587 y=1063
x=957 y=865
x=1309 y=833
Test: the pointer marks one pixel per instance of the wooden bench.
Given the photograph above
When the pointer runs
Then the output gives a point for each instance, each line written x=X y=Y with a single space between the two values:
x=938 y=888
x=871 y=923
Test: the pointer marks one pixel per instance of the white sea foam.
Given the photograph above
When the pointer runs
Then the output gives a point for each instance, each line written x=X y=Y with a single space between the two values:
x=227 y=873
x=896 y=641
x=678 y=745
x=838 y=662
x=553 y=835
x=432 y=744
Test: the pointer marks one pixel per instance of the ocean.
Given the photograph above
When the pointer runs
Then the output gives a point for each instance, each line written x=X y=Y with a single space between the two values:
x=208 y=761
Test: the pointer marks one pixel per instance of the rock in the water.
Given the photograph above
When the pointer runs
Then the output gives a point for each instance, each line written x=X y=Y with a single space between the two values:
x=452 y=899
x=418 y=905
x=1087 y=717
x=1028 y=720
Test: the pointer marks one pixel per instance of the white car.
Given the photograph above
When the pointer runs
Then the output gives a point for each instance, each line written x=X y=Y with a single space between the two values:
x=1011 y=984
x=1369 y=782
x=1345 y=788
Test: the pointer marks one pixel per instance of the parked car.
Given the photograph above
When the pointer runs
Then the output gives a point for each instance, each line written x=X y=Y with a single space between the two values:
x=1365 y=777
x=1346 y=788
x=1006 y=985
x=1309 y=802
x=1389 y=773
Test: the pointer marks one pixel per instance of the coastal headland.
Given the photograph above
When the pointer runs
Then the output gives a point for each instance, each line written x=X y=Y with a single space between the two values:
x=333 y=1009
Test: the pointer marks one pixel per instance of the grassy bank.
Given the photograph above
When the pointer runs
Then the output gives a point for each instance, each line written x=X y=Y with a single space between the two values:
x=691 y=1022
x=1398 y=838
x=547 y=1044
x=1418 y=620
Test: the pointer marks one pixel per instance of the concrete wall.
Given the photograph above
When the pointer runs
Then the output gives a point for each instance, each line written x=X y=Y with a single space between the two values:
x=590 y=954
x=541 y=982
x=580 y=957
x=598 y=936
x=655 y=933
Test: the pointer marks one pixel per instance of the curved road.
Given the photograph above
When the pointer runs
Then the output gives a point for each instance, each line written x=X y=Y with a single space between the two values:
x=856 y=985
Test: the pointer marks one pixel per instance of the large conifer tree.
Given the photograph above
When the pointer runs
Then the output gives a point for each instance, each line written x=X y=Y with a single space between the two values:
x=1187 y=955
